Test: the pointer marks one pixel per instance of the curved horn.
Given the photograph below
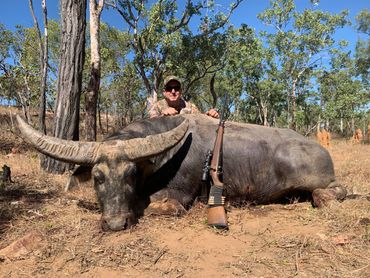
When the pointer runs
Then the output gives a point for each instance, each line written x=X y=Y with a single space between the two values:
x=60 y=149
x=141 y=148
x=88 y=153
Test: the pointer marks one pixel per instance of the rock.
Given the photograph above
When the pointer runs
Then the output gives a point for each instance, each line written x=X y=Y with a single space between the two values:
x=341 y=239
x=30 y=242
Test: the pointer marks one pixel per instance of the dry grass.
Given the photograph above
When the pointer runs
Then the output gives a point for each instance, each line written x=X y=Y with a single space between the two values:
x=277 y=240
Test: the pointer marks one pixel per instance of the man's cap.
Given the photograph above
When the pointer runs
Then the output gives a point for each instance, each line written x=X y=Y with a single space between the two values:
x=170 y=78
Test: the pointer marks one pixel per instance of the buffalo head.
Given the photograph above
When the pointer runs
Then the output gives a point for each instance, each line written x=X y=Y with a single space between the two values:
x=115 y=167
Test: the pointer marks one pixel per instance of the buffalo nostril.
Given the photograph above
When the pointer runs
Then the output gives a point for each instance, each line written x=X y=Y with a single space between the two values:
x=104 y=225
x=126 y=224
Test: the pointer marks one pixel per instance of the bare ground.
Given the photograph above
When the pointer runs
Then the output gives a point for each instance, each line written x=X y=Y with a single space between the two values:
x=61 y=235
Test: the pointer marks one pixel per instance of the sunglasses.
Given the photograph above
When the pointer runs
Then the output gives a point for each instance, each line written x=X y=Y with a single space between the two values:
x=177 y=88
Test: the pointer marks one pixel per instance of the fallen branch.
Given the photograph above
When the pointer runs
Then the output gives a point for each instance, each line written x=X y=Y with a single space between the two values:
x=298 y=256
x=160 y=254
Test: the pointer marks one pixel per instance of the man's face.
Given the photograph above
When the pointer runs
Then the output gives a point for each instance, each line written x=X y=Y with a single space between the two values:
x=172 y=92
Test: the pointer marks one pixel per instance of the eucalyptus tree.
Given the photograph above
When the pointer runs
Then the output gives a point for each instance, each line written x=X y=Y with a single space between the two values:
x=43 y=54
x=242 y=60
x=158 y=28
x=6 y=41
x=127 y=95
x=363 y=45
x=263 y=92
x=362 y=55
x=197 y=58
x=363 y=22
x=343 y=97
x=299 y=42
x=248 y=76
x=91 y=94
x=54 y=40
x=69 y=82
x=25 y=70
x=114 y=46
x=20 y=69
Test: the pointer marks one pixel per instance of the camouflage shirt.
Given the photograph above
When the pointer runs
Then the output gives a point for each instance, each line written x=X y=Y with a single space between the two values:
x=186 y=107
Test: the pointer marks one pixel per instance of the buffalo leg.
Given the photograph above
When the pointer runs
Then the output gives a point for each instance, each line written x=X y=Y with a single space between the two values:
x=166 y=206
x=163 y=203
x=323 y=196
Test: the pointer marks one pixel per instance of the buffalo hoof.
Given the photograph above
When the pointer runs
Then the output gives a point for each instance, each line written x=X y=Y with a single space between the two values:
x=322 y=197
x=165 y=207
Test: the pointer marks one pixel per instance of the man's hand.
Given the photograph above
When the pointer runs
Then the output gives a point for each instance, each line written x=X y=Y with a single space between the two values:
x=213 y=113
x=169 y=111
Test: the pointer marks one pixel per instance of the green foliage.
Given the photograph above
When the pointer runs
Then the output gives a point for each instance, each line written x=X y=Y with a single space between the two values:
x=114 y=46
x=363 y=58
x=343 y=97
x=271 y=78
x=20 y=63
x=53 y=46
x=160 y=33
x=298 y=43
x=363 y=22
x=125 y=91
x=6 y=39
x=363 y=45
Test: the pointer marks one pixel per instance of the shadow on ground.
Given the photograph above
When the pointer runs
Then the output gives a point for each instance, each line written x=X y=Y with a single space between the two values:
x=17 y=200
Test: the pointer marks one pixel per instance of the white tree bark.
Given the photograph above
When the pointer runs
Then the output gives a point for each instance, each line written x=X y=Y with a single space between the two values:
x=94 y=83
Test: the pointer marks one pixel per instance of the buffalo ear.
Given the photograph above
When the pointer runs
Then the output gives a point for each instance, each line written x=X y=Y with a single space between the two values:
x=80 y=176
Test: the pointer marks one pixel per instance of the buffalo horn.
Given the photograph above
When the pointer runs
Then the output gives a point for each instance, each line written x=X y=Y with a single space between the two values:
x=84 y=153
x=141 y=148
x=88 y=153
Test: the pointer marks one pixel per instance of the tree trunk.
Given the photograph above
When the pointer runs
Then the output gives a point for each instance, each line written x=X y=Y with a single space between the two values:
x=43 y=45
x=44 y=74
x=43 y=53
x=353 y=128
x=274 y=119
x=106 y=119
x=264 y=110
x=212 y=90
x=99 y=116
x=67 y=106
x=25 y=99
x=25 y=107
x=293 y=124
x=91 y=97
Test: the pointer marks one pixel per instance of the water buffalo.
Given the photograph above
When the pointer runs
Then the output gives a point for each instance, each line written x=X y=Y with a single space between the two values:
x=159 y=159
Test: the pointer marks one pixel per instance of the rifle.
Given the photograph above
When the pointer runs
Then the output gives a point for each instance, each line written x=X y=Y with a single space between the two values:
x=216 y=215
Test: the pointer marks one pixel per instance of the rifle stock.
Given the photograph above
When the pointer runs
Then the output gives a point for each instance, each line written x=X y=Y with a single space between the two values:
x=216 y=214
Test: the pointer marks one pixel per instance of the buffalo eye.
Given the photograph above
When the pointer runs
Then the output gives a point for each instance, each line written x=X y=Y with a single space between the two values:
x=130 y=171
x=99 y=177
